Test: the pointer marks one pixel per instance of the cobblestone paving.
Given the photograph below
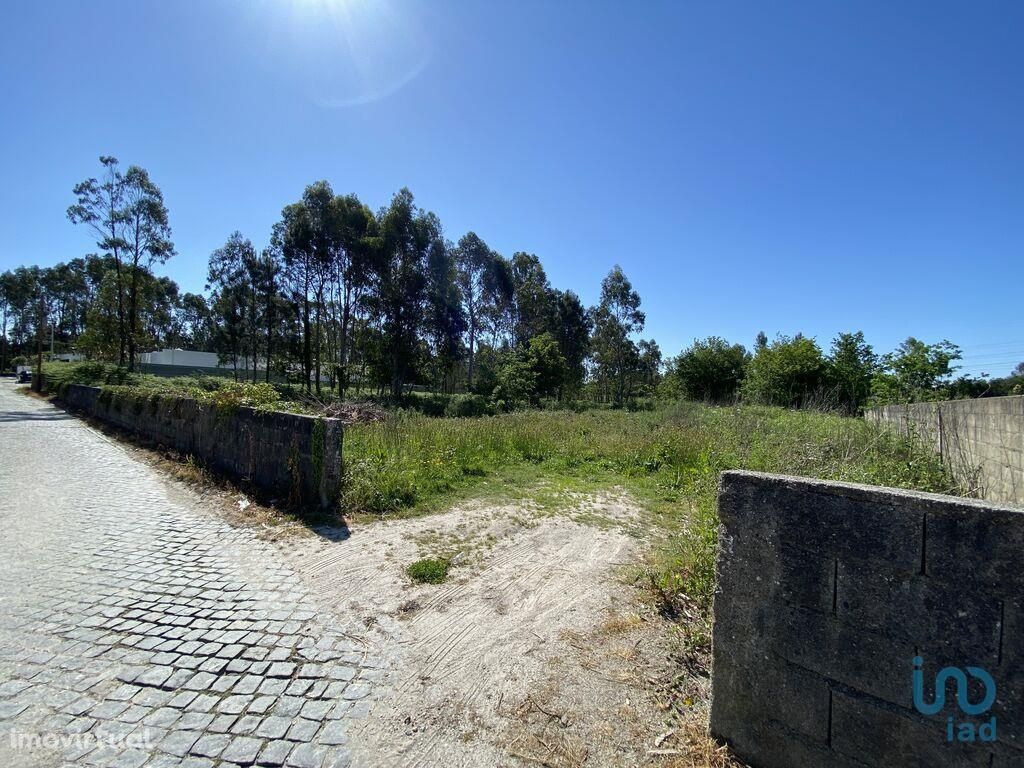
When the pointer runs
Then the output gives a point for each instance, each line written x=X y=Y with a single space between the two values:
x=138 y=631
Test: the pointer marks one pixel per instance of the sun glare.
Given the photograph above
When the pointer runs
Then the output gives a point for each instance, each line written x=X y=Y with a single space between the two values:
x=347 y=52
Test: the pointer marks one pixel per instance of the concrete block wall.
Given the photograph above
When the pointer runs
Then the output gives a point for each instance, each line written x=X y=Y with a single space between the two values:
x=981 y=440
x=826 y=594
x=292 y=456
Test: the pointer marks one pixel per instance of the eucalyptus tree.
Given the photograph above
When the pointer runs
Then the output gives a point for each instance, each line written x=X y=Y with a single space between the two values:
x=41 y=303
x=72 y=289
x=407 y=235
x=499 y=302
x=322 y=243
x=159 y=321
x=147 y=238
x=21 y=293
x=354 y=244
x=7 y=284
x=196 y=321
x=851 y=367
x=572 y=331
x=474 y=264
x=274 y=305
x=101 y=207
x=292 y=240
x=533 y=299
x=616 y=318
x=446 y=321
x=325 y=245
x=234 y=277
x=649 y=365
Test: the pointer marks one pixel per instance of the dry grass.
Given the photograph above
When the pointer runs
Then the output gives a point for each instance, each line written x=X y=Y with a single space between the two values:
x=619 y=623
x=692 y=747
x=551 y=749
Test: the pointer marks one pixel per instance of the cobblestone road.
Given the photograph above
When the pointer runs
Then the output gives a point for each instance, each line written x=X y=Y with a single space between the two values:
x=136 y=630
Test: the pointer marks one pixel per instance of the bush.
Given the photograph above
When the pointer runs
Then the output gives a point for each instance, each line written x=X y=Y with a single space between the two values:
x=57 y=376
x=463 y=406
x=429 y=570
x=710 y=370
x=119 y=384
x=787 y=372
x=429 y=404
x=515 y=385
x=436 y=404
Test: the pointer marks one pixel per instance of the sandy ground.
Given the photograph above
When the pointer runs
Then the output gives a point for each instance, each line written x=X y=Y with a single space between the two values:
x=529 y=653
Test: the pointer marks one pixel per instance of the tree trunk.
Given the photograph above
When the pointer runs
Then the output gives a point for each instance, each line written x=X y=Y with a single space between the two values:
x=120 y=311
x=270 y=332
x=37 y=380
x=472 y=352
x=319 y=328
x=133 y=308
x=3 y=343
x=396 y=373
x=307 y=352
x=343 y=352
x=254 y=334
x=120 y=289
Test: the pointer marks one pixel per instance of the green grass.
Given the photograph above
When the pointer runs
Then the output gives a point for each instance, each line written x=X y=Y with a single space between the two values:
x=429 y=570
x=669 y=459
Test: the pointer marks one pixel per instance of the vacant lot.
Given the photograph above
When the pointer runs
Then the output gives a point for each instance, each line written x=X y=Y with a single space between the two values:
x=574 y=628
x=559 y=609
x=667 y=459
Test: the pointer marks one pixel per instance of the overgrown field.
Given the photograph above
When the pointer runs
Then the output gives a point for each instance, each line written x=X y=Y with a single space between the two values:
x=668 y=458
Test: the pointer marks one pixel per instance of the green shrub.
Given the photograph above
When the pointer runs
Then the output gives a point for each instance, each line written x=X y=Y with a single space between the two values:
x=429 y=570
x=429 y=404
x=57 y=376
x=464 y=406
x=223 y=393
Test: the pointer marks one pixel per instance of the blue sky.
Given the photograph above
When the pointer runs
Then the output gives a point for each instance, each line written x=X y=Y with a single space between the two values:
x=811 y=166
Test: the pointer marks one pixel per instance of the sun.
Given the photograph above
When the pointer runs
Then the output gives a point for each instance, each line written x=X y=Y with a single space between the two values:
x=347 y=53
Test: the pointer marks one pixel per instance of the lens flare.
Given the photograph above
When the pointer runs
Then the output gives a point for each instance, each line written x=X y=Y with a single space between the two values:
x=345 y=53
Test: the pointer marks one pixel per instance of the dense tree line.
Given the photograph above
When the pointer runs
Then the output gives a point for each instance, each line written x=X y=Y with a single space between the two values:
x=347 y=300
x=342 y=298
x=74 y=306
x=794 y=372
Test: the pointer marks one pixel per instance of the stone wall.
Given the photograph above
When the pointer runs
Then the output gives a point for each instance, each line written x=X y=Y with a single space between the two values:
x=294 y=457
x=827 y=592
x=982 y=440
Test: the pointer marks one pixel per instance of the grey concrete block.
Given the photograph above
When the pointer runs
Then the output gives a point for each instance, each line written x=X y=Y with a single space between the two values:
x=828 y=591
x=984 y=433
x=887 y=737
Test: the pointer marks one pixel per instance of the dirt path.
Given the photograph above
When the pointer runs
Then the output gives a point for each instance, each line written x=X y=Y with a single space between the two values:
x=528 y=653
